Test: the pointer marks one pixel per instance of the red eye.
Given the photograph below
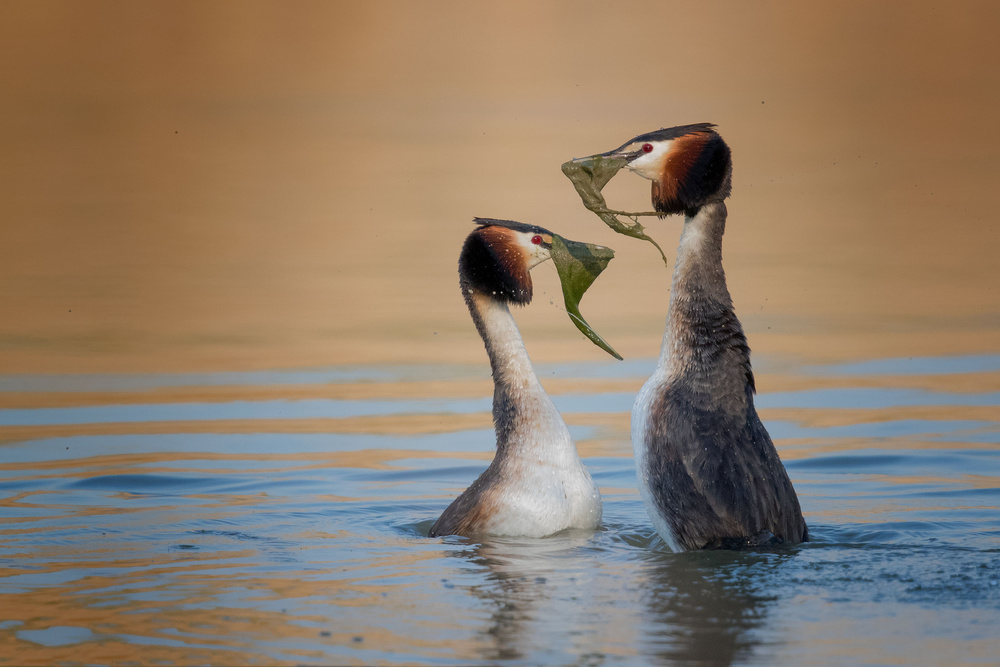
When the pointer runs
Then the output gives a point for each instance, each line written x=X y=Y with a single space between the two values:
x=647 y=148
x=536 y=239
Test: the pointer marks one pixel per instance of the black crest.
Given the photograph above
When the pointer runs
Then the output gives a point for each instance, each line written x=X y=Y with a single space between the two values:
x=668 y=133
x=511 y=224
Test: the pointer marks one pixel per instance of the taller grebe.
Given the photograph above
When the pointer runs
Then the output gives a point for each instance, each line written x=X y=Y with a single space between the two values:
x=708 y=472
x=536 y=485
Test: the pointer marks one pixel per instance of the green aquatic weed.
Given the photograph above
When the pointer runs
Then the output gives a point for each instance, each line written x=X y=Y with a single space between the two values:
x=589 y=175
x=578 y=265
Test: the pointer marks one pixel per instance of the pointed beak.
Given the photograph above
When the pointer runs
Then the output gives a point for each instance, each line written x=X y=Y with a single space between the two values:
x=620 y=153
x=616 y=154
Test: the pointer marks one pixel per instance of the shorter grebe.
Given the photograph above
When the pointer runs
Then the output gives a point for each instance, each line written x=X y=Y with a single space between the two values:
x=708 y=472
x=536 y=485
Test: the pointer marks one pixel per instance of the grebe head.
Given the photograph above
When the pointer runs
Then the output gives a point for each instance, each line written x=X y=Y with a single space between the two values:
x=690 y=166
x=497 y=256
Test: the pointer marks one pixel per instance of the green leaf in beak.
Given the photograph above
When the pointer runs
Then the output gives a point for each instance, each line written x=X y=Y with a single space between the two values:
x=589 y=175
x=578 y=265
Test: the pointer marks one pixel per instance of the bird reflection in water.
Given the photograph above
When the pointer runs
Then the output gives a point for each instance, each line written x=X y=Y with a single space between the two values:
x=706 y=607
x=538 y=585
x=545 y=597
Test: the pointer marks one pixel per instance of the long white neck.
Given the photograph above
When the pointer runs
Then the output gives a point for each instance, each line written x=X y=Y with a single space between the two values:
x=523 y=414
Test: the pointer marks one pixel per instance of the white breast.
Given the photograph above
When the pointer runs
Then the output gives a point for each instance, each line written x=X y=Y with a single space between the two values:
x=543 y=485
x=546 y=500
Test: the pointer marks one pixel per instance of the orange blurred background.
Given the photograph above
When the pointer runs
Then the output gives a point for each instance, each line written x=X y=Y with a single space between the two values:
x=238 y=185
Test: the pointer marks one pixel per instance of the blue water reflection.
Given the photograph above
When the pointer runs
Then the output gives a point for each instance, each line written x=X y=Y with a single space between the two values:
x=609 y=402
x=237 y=531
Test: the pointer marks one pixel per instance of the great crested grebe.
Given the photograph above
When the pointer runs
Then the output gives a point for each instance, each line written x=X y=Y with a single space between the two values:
x=708 y=472
x=536 y=485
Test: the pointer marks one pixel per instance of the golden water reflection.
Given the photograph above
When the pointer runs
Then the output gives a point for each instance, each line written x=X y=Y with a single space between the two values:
x=140 y=572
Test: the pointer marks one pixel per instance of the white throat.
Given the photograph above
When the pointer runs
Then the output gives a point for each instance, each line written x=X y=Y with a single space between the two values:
x=650 y=165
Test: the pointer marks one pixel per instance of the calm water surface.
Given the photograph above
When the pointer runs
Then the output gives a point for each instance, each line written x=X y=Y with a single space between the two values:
x=282 y=517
